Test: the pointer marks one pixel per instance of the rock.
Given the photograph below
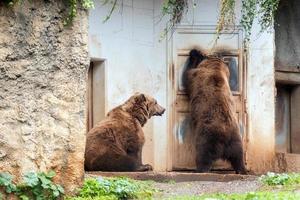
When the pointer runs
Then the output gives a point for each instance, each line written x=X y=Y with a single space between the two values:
x=2 y=154
x=43 y=67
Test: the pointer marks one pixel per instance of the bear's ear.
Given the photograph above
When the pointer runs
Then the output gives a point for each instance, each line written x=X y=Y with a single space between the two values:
x=140 y=98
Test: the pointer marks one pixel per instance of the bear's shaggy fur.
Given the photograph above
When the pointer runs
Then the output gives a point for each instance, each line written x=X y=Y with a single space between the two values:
x=212 y=112
x=115 y=144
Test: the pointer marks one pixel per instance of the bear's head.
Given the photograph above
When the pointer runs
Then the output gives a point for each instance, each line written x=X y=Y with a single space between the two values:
x=143 y=107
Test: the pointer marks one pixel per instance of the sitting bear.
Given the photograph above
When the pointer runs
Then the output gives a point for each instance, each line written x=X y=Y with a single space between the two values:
x=213 y=120
x=115 y=144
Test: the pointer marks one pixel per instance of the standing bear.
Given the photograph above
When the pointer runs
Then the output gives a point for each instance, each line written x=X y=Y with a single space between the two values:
x=213 y=121
x=115 y=144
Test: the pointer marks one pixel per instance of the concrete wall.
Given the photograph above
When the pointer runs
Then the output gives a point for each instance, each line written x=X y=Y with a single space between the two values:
x=137 y=61
x=287 y=22
x=261 y=102
x=43 y=68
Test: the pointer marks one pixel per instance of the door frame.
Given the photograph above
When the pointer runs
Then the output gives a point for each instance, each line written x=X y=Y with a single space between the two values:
x=171 y=92
x=95 y=64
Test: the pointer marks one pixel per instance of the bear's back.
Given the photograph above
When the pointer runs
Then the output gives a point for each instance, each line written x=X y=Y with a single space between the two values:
x=211 y=98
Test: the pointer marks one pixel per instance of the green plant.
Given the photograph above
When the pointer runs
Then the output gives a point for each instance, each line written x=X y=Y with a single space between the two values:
x=72 y=6
x=113 y=189
x=37 y=186
x=6 y=182
x=247 y=196
x=227 y=15
x=248 y=16
x=284 y=179
x=263 y=10
x=114 y=4
x=174 y=9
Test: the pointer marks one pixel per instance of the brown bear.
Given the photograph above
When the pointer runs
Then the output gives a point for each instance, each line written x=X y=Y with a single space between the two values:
x=213 y=118
x=115 y=144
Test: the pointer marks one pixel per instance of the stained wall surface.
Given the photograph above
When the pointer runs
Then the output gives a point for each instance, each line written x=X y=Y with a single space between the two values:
x=43 y=69
x=136 y=60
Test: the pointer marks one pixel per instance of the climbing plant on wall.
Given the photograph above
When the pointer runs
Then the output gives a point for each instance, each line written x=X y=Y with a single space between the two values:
x=262 y=10
x=72 y=6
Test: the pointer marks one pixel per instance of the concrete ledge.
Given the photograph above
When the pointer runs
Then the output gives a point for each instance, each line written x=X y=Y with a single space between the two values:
x=287 y=162
x=174 y=176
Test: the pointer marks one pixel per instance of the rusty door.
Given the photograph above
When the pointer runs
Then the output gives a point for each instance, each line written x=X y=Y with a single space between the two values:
x=183 y=40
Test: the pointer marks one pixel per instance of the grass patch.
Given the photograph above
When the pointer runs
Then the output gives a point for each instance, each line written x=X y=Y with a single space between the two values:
x=248 y=196
x=114 y=189
x=284 y=181
x=275 y=187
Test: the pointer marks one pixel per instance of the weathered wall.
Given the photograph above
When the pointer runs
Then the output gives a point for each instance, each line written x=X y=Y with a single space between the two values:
x=137 y=61
x=287 y=22
x=42 y=90
x=261 y=101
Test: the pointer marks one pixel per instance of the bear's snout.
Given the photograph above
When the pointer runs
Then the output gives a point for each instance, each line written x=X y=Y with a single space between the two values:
x=160 y=110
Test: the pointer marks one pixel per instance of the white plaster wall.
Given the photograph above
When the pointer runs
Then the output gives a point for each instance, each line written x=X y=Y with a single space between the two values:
x=137 y=61
x=261 y=101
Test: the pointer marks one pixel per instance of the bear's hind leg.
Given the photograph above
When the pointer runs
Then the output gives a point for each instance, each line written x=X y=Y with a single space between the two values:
x=234 y=154
x=203 y=163
x=136 y=158
x=207 y=153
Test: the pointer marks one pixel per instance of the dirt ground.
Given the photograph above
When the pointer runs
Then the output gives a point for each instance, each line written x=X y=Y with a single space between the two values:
x=199 y=187
x=181 y=184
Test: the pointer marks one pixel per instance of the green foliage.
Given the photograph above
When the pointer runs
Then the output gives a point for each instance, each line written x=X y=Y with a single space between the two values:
x=6 y=182
x=248 y=16
x=114 y=4
x=263 y=10
x=267 y=12
x=113 y=189
x=247 y=196
x=289 y=181
x=37 y=186
x=174 y=9
x=72 y=6
x=227 y=14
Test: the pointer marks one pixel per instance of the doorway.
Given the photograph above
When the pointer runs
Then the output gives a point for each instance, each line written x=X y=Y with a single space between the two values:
x=184 y=39
x=96 y=93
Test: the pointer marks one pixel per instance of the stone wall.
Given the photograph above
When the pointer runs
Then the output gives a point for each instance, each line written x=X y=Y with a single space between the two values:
x=43 y=71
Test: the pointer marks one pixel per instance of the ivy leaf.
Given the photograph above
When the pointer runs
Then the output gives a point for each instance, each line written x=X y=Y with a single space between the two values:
x=31 y=179
x=56 y=193
x=60 y=189
x=45 y=182
x=6 y=180
x=24 y=197
x=50 y=174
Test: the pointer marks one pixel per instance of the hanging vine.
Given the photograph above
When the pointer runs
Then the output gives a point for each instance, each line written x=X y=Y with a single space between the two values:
x=248 y=15
x=262 y=10
x=267 y=12
x=175 y=9
x=227 y=15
